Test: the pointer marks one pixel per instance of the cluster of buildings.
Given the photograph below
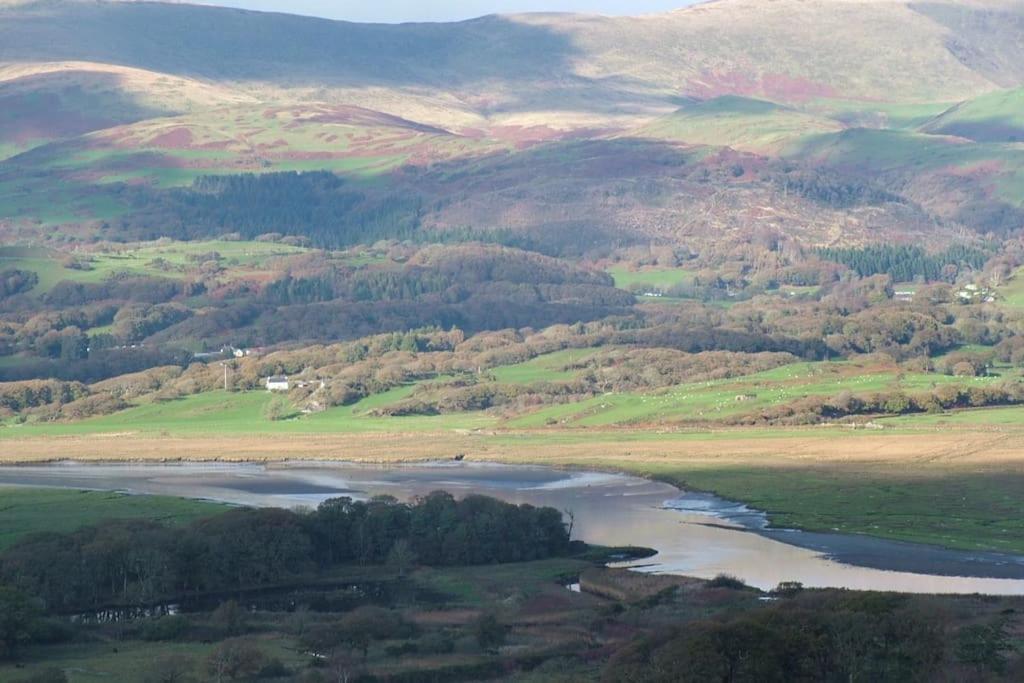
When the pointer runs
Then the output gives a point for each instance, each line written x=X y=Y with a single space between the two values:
x=975 y=293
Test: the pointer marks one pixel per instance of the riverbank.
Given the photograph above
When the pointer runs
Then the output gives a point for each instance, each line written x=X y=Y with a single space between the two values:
x=695 y=534
x=953 y=489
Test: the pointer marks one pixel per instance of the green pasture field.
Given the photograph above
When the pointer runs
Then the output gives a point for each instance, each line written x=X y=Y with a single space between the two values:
x=656 y=278
x=213 y=143
x=241 y=256
x=220 y=412
x=25 y=511
x=550 y=367
x=476 y=585
x=1013 y=291
x=1011 y=416
x=174 y=176
x=711 y=400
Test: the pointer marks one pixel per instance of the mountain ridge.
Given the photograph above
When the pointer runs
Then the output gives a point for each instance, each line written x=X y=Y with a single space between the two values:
x=188 y=90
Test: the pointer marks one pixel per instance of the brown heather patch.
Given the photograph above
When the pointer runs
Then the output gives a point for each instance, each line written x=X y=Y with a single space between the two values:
x=175 y=138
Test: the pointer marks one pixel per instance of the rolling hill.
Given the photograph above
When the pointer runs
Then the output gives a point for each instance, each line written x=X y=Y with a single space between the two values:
x=665 y=127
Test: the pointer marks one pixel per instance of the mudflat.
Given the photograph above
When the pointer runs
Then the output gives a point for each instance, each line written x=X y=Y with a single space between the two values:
x=956 y=489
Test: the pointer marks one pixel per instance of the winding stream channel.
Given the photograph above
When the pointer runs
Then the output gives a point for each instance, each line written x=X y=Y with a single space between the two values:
x=695 y=534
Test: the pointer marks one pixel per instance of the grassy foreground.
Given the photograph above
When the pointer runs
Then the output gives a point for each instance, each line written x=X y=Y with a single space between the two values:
x=958 y=487
x=25 y=511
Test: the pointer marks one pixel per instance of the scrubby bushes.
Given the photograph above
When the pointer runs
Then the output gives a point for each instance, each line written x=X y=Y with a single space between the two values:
x=21 y=396
x=846 y=404
x=14 y=281
x=869 y=636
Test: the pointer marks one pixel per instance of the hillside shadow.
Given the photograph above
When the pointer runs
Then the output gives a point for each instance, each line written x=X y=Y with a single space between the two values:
x=490 y=65
x=985 y=39
x=47 y=107
x=995 y=129
x=287 y=50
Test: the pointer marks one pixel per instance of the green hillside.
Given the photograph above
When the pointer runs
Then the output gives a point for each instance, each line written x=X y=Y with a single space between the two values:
x=994 y=117
x=738 y=122
x=538 y=125
x=925 y=166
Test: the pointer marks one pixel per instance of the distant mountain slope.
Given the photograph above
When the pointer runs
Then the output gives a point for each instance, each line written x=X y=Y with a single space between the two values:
x=173 y=150
x=784 y=50
x=49 y=101
x=719 y=119
x=981 y=184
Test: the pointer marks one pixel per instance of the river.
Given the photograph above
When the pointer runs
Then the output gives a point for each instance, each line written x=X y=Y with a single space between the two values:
x=695 y=534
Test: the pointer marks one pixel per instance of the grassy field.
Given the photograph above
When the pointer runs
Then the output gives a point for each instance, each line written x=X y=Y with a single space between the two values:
x=24 y=511
x=239 y=258
x=547 y=368
x=660 y=279
x=219 y=412
x=713 y=400
x=1013 y=291
x=1009 y=416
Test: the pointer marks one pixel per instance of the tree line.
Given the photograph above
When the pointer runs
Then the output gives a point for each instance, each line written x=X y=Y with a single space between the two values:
x=140 y=562
x=907 y=263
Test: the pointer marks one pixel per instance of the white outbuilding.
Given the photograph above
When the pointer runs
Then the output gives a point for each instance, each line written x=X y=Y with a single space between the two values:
x=277 y=383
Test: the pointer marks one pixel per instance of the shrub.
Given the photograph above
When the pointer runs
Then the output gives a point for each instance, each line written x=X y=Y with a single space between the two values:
x=727 y=581
x=489 y=632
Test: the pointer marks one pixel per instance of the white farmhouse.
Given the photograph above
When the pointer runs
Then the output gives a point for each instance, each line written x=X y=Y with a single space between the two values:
x=277 y=383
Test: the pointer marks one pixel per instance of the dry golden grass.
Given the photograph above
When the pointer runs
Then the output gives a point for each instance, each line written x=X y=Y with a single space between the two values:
x=146 y=88
x=605 y=448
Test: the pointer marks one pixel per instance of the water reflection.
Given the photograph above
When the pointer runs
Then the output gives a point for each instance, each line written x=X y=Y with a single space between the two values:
x=695 y=534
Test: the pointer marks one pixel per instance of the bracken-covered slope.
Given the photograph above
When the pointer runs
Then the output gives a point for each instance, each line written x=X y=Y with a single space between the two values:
x=731 y=116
